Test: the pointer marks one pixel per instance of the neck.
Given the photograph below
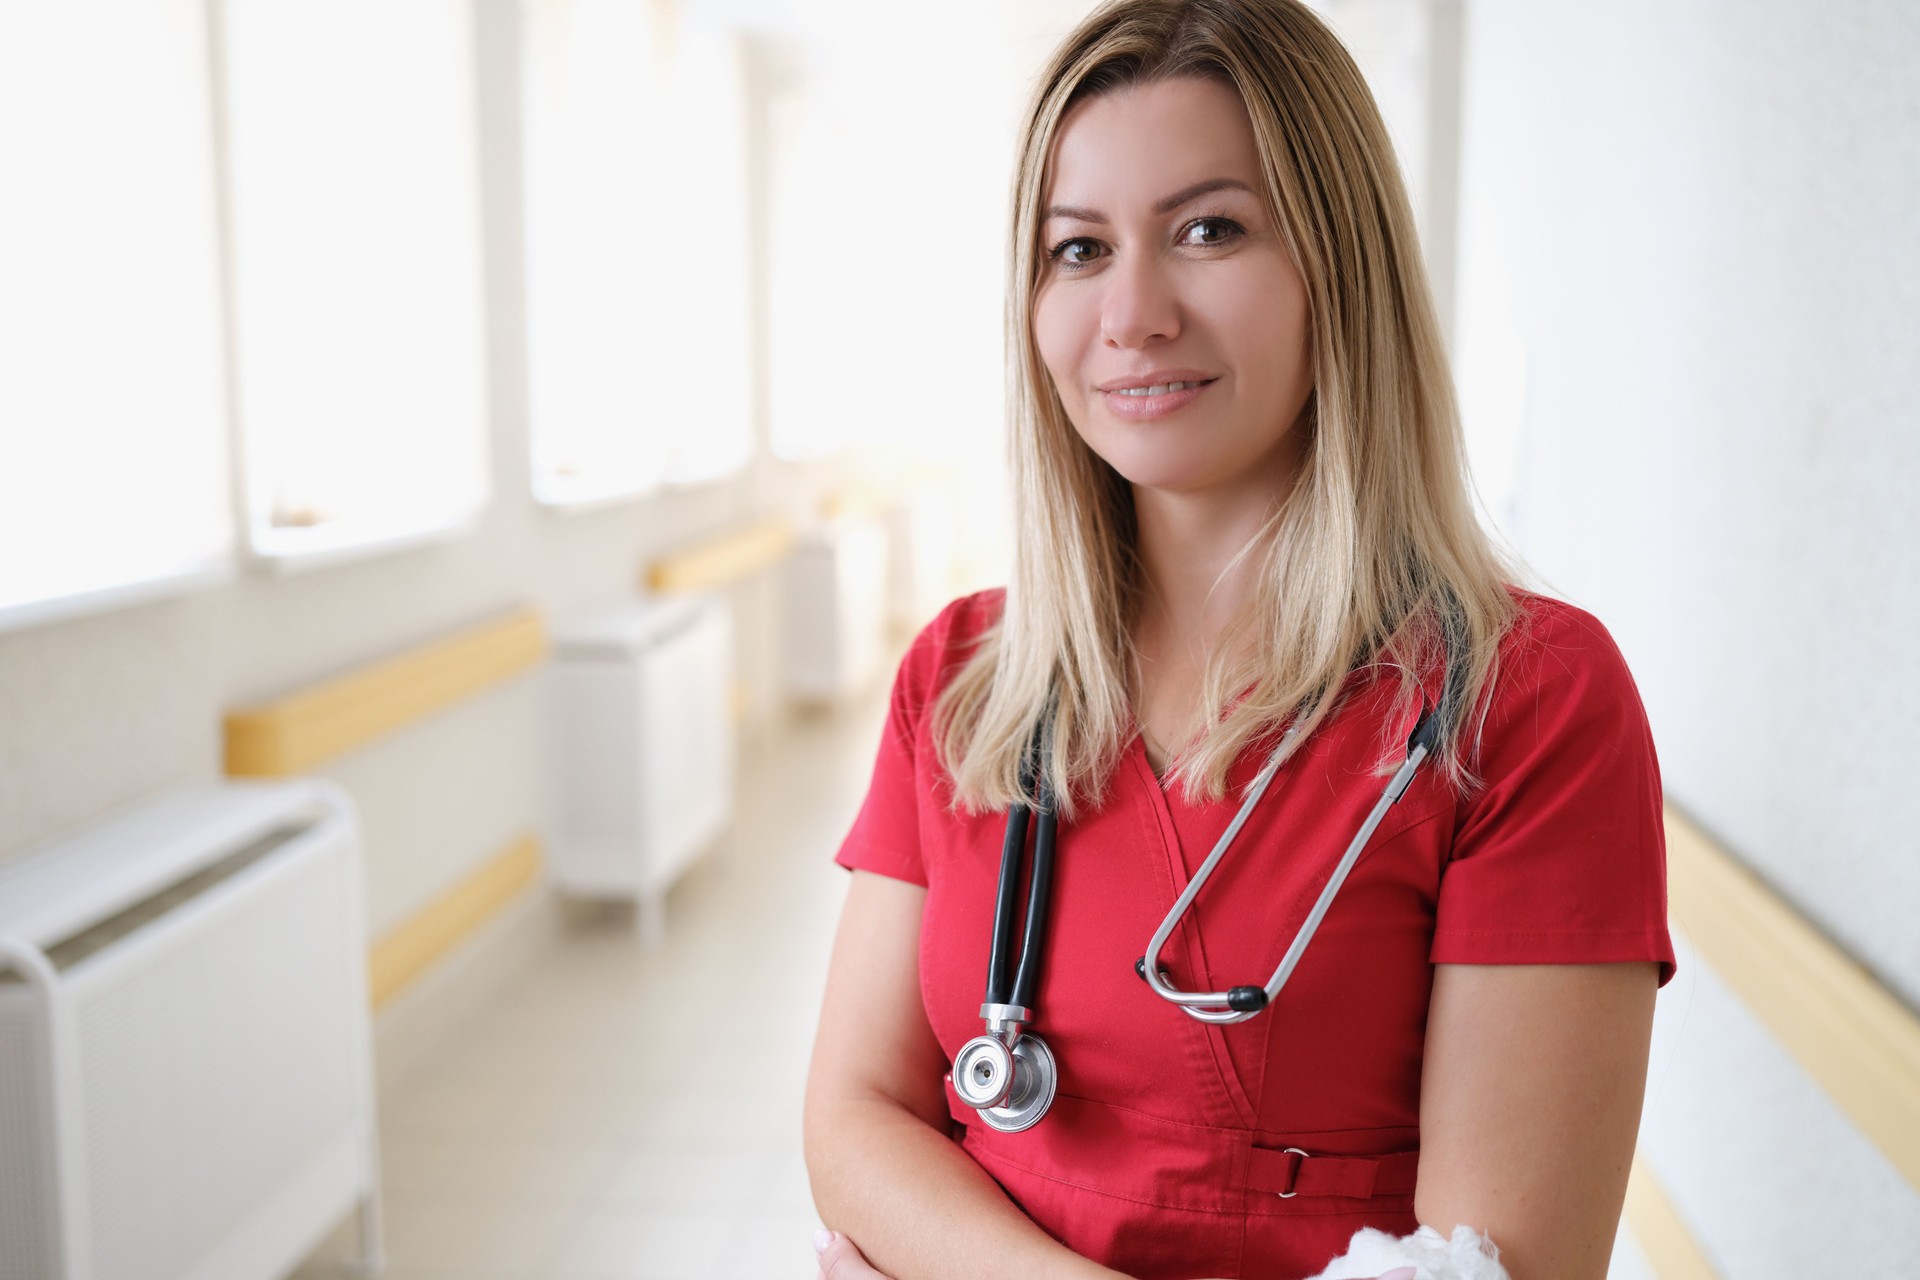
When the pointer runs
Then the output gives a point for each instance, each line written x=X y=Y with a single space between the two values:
x=1190 y=543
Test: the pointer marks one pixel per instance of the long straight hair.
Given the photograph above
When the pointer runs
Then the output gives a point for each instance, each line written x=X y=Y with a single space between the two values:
x=1375 y=558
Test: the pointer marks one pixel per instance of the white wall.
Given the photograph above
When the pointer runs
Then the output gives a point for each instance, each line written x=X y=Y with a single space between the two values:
x=1689 y=264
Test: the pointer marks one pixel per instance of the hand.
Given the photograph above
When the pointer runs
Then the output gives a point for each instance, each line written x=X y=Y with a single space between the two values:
x=839 y=1260
x=1398 y=1273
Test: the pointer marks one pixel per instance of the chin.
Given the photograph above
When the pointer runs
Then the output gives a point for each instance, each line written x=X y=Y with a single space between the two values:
x=1175 y=465
x=1168 y=475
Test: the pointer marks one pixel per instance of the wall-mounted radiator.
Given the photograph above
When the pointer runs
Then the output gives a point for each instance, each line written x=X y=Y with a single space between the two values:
x=919 y=556
x=186 y=1085
x=640 y=750
x=835 y=614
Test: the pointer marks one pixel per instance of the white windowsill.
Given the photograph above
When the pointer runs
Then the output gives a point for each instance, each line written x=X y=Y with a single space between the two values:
x=602 y=500
x=33 y=613
x=349 y=547
x=588 y=502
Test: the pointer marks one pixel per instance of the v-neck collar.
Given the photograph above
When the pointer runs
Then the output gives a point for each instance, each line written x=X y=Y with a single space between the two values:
x=1140 y=743
x=1186 y=945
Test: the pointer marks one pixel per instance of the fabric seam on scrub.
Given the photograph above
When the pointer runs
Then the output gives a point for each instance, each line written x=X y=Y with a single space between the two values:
x=1642 y=932
x=1172 y=860
x=1350 y=1204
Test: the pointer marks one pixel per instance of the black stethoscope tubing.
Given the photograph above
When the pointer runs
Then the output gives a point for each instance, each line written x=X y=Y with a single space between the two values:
x=1039 y=894
x=1007 y=1076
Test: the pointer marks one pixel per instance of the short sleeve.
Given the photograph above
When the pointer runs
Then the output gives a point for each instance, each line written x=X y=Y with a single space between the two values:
x=1561 y=857
x=886 y=835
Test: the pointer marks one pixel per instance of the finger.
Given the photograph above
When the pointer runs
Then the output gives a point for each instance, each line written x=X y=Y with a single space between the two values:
x=839 y=1260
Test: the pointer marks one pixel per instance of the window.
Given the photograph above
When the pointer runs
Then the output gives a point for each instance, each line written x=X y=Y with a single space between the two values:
x=353 y=184
x=113 y=443
x=638 y=249
x=811 y=179
x=887 y=265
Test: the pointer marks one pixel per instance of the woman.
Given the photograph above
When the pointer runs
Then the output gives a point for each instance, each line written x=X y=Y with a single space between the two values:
x=1244 y=533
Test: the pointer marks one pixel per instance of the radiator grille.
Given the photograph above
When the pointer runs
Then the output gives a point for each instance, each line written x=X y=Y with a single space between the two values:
x=26 y=1246
x=216 y=1060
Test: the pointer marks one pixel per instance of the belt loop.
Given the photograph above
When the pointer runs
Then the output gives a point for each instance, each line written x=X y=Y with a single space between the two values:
x=1293 y=1172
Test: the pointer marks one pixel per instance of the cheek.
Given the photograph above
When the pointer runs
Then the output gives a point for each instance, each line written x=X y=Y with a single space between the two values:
x=1274 y=351
x=1057 y=339
x=1270 y=318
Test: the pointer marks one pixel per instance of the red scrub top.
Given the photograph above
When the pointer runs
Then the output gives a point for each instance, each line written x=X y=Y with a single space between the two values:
x=1167 y=1148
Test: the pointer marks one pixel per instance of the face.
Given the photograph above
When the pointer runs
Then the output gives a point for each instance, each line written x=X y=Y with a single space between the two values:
x=1159 y=265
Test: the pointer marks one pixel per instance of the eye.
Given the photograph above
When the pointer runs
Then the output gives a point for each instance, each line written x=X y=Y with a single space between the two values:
x=1226 y=229
x=1059 y=253
x=1219 y=231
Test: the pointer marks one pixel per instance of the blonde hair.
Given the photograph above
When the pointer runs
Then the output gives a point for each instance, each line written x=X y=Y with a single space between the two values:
x=1376 y=557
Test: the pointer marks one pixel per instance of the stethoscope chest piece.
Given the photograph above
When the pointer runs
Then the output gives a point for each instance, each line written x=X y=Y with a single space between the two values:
x=1006 y=1076
x=1009 y=1088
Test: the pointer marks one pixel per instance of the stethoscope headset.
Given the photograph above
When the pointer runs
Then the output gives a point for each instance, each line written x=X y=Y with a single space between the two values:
x=1009 y=1075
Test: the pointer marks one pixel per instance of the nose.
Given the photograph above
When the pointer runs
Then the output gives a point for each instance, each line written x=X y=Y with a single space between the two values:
x=1141 y=303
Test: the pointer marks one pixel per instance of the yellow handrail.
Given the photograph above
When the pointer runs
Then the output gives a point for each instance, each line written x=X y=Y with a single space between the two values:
x=1669 y=1247
x=405 y=953
x=294 y=733
x=1858 y=1041
x=723 y=559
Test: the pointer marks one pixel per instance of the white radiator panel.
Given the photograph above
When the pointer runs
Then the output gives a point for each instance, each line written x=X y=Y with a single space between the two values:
x=919 y=556
x=835 y=615
x=640 y=750
x=215 y=1063
x=686 y=739
x=207 y=1087
x=28 y=1228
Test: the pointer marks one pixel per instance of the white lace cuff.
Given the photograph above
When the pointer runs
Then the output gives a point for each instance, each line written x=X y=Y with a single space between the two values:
x=1468 y=1256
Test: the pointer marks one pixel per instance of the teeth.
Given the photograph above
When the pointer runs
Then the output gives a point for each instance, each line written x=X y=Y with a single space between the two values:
x=1160 y=390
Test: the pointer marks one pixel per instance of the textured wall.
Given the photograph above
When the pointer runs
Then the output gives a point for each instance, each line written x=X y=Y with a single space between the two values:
x=1693 y=227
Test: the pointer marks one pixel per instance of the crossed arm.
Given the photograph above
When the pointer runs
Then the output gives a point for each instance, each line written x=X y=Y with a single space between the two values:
x=1529 y=1104
x=883 y=1169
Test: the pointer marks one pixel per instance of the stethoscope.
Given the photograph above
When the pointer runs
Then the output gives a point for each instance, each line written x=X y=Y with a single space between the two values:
x=1008 y=1075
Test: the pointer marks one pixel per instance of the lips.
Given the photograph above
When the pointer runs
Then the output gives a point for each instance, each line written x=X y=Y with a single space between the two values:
x=1155 y=378
x=1156 y=401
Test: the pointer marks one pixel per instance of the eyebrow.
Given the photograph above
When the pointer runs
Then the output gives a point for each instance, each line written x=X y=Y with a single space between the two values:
x=1183 y=196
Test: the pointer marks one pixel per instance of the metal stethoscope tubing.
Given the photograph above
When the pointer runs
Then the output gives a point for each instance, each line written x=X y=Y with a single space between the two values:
x=1008 y=1075
x=1242 y=1003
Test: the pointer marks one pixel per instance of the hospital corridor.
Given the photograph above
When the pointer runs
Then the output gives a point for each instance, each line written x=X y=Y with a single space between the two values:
x=625 y=1109
x=514 y=514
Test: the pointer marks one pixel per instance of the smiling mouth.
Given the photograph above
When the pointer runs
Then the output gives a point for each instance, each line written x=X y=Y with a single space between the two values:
x=1165 y=388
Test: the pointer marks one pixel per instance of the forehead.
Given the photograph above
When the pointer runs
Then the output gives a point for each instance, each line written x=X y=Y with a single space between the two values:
x=1129 y=147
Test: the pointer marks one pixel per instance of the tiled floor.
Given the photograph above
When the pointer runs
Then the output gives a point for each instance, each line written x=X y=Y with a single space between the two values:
x=622 y=1112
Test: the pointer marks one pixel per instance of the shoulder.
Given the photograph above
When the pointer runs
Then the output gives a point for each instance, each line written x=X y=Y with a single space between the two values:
x=1560 y=677
x=945 y=644
x=1558 y=647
